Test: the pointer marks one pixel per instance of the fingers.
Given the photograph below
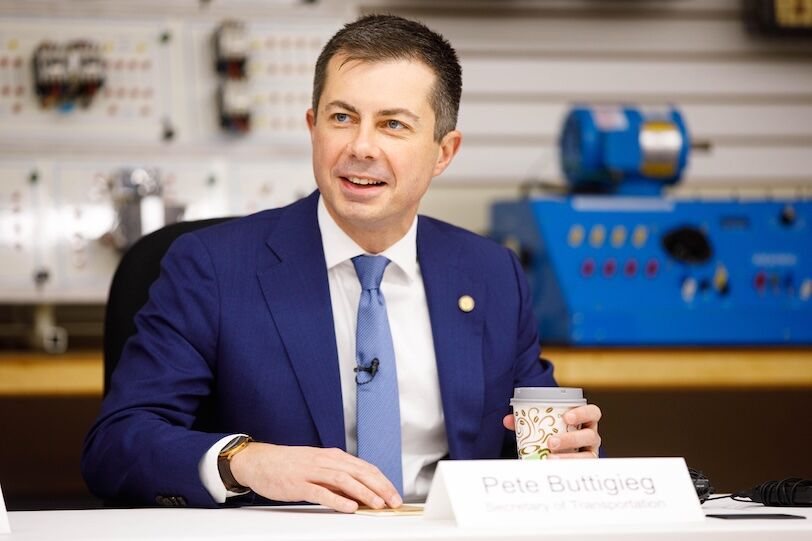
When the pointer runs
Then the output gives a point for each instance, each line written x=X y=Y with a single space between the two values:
x=330 y=477
x=358 y=478
x=581 y=443
x=365 y=484
x=586 y=416
x=327 y=498
x=586 y=437
x=347 y=485
x=583 y=415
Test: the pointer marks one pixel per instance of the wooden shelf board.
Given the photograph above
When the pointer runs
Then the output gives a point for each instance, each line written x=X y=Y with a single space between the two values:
x=683 y=368
x=81 y=373
x=33 y=374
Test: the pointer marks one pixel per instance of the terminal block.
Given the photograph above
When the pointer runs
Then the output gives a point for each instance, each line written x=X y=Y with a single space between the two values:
x=234 y=107
x=86 y=69
x=231 y=60
x=231 y=50
x=67 y=74
x=50 y=68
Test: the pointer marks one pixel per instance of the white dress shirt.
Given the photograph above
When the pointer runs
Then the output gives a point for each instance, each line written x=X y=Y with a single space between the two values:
x=421 y=413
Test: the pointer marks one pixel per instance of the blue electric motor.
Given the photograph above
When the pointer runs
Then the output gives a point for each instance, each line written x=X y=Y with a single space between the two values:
x=623 y=150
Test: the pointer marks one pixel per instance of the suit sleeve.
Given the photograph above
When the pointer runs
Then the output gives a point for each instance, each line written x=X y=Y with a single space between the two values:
x=144 y=445
x=529 y=369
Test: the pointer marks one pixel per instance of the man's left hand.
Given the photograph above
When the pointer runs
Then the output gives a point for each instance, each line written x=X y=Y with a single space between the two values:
x=581 y=443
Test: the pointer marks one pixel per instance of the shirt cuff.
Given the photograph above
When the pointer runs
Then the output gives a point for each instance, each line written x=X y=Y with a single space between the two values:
x=210 y=475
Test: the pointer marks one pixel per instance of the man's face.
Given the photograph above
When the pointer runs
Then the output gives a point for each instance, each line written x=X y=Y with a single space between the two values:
x=374 y=152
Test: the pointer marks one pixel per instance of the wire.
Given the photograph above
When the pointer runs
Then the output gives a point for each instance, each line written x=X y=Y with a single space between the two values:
x=789 y=492
x=719 y=498
x=784 y=493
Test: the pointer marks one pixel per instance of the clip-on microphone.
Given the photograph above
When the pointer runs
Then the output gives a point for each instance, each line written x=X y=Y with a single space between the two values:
x=372 y=369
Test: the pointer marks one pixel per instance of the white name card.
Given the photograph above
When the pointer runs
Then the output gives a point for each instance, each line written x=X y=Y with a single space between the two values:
x=481 y=493
x=4 y=525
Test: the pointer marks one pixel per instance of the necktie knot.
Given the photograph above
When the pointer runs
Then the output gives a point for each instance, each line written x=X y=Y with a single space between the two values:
x=369 y=269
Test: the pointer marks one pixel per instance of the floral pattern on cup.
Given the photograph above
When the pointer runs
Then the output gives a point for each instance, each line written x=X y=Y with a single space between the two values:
x=534 y=427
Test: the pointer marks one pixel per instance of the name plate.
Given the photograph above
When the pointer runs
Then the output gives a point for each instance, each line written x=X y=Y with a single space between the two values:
x=4 y=526
x=481 y=493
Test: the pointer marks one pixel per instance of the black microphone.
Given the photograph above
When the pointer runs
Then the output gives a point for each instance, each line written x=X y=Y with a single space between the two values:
x=372 y=369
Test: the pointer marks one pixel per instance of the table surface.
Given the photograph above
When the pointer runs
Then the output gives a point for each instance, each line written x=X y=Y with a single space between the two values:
x=315 y=523
x=81 y=373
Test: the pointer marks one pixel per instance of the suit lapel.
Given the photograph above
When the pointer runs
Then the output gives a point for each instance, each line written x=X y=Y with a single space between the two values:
x=457 y=334
x=297 y=292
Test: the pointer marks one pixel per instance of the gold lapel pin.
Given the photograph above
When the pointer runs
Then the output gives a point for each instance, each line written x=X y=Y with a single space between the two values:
x=466 y=303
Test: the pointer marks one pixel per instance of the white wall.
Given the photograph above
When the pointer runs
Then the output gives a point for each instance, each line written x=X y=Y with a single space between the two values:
x=524 y=64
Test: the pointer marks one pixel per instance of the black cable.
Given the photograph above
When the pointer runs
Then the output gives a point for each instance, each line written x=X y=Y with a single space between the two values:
x=718 y=498
x=790 y=492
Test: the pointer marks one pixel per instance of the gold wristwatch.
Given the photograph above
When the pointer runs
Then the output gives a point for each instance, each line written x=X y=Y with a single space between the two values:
x=224 y=463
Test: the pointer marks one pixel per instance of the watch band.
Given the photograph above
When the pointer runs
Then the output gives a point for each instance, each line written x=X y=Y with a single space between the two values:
x=224 y=463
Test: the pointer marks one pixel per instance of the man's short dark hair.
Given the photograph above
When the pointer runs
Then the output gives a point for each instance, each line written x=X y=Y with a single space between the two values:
x=377 y=38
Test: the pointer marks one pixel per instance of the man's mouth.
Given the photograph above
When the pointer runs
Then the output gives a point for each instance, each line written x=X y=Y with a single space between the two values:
x=358 y=181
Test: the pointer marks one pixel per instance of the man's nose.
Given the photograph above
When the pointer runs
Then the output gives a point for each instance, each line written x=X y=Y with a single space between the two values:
x=363 y=145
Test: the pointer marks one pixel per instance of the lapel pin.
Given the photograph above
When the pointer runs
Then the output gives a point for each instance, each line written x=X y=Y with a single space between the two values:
x=466 y=303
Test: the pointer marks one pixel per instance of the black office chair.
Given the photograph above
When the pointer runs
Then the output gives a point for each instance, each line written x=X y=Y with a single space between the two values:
x=129 y=291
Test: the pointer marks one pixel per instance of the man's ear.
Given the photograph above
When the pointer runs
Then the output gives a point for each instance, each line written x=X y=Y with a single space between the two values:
x=310 y=116
x=449 y=146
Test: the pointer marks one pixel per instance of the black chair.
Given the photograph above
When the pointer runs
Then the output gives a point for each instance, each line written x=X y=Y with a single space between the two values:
x=129 y=291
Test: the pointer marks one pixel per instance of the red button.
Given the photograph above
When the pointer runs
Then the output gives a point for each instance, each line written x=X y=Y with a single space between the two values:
x=588 y=268
x=652 y=267
x=609 y=268
x=630 y=269
x=760 y=280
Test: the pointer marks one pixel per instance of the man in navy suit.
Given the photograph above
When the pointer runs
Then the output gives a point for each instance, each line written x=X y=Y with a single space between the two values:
x=240 y=382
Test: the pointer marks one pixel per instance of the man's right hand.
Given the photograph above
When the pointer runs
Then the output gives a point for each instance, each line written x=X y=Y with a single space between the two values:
x=330 y=477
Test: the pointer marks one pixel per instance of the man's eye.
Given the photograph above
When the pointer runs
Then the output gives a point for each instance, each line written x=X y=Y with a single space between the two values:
x=394 y=124
x=341 y=117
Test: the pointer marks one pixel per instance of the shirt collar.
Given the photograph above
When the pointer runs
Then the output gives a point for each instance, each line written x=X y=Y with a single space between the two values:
x=339 y=247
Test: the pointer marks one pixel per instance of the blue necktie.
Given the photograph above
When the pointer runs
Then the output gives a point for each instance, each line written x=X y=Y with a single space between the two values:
x=378 y=412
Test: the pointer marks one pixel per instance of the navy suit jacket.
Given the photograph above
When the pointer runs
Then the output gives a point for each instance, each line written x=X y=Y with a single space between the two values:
x=238 y=336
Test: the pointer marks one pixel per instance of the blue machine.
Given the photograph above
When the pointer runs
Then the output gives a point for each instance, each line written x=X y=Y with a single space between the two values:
x=622 y=265
x=624 y=150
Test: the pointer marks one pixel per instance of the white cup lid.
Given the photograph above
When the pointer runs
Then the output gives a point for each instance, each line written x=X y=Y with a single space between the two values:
x=549 y=394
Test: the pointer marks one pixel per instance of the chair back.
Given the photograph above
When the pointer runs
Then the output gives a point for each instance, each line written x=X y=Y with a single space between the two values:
x=129 y=291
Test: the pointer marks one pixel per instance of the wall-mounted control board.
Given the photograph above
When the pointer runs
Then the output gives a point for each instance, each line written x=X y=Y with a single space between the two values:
x=151 y=81
x=112 y=126
x=656 y=271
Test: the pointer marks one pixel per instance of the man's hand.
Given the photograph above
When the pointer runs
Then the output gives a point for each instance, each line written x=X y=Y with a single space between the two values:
x=583 y=443
x=329 y=477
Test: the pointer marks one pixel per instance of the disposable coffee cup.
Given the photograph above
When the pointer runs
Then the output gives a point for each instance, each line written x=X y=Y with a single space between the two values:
x=539 y=415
